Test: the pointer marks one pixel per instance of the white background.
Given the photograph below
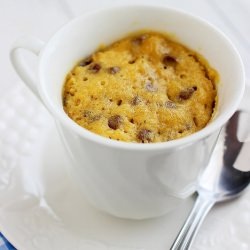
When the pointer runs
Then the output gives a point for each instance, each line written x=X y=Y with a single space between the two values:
x=43 y=17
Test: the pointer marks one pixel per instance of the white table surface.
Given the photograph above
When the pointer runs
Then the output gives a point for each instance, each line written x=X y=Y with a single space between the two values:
x=43 y=17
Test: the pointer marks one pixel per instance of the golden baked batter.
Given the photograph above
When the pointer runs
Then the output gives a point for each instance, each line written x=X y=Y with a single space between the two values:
x=143 y=88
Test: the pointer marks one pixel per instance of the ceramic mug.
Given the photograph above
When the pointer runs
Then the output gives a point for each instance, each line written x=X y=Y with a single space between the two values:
x=132 y=180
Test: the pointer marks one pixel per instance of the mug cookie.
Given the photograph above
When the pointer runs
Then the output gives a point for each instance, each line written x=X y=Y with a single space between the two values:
x=143 y=88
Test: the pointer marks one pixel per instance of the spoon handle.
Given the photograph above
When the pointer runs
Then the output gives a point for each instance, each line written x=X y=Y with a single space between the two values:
x=189 y=230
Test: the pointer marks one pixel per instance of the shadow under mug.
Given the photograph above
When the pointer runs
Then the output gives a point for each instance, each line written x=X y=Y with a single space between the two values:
x=132 y=180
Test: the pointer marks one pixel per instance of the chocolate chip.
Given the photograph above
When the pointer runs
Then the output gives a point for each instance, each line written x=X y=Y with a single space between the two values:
x=195 y=121
x=170 y=105
x=114 y=121
x=144 y=135
x=213 y=104
x=139 y=40
x=94 y=67
x=150 y=87
x=86 y=61
x=114 y=70
x=187 y=93
x=136 y=100
x=132 y=61
x=169 y=60
x=119 y=102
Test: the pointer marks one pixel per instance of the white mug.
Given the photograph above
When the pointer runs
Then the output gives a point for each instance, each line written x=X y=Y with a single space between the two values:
x=132 y=180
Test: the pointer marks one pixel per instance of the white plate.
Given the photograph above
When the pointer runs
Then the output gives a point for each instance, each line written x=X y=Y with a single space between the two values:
x=40 y=207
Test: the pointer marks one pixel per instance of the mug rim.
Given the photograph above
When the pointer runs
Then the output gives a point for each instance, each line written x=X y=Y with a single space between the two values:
x=209 y=129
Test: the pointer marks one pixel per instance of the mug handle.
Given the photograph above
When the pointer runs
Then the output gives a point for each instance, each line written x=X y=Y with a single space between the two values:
x=31 y=44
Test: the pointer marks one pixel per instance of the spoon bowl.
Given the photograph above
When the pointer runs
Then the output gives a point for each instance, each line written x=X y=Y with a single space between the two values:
x=221 y=180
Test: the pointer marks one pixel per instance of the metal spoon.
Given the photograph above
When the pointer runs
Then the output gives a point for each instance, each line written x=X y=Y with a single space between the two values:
x=220 y=181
